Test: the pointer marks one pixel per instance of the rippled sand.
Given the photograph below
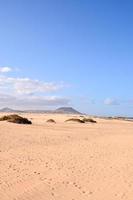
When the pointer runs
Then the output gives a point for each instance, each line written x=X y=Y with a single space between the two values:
x=66 y=161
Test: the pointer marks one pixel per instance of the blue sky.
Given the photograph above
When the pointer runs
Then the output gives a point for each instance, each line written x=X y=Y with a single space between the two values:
x=67 y=53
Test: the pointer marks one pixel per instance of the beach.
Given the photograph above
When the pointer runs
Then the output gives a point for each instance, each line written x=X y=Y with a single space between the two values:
x=66 y=160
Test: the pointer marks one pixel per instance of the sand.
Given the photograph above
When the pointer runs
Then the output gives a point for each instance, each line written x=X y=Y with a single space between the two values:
x=66 y=161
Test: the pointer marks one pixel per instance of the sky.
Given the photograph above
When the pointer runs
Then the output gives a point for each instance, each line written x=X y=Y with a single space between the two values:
x=75 y=53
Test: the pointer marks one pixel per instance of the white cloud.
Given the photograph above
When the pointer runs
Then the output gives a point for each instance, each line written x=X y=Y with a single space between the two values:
x=44 y=101
x=29 y=93
x=32 y=102
x=5 y=69
x=28 y=86
x=5 y=98
x=111 y=102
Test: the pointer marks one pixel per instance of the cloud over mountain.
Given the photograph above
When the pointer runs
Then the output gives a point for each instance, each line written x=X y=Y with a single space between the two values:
x=32 y=101
x=26 y=92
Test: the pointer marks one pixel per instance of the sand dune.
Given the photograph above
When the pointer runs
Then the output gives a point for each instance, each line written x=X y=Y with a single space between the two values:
x=66 y=161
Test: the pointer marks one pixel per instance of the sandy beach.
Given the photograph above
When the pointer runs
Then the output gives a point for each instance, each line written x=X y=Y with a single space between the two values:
x=66 y=161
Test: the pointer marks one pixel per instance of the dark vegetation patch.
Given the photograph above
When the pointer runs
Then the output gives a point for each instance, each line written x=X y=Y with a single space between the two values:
x=84 y=120
x=51 y=121
x=15 y=119
x=75 y=120
x=89 y=120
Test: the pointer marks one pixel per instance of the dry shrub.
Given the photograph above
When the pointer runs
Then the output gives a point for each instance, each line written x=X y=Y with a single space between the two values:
x=15 y=119
x=51 y=120
x=75 y=120
x=89 y=120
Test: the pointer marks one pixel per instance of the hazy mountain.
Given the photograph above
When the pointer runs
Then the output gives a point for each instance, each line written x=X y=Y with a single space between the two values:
x=67 y=110
x=6 y=109
x=63 y=110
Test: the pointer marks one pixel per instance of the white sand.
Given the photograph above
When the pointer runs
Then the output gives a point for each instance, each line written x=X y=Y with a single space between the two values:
x=66 y=161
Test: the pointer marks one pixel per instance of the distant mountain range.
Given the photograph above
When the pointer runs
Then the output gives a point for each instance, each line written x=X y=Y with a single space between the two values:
x=61 y=110
x=6 y=109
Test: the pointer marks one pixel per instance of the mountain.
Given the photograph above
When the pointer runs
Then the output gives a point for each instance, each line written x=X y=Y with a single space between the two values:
x=62 y=110
x=67 y=110
x=8 y=110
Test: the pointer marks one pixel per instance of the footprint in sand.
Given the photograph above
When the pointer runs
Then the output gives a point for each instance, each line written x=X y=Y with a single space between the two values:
x=80 y=188
x=52 y=194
